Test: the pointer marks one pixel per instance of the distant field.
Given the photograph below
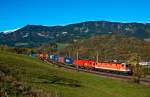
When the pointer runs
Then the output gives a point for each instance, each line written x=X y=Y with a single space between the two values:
x=61 y=46
x=147 y=39
x=67 y=83
x=146 y=70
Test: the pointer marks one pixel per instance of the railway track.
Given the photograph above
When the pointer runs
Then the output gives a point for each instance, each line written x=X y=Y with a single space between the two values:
x=145 y=81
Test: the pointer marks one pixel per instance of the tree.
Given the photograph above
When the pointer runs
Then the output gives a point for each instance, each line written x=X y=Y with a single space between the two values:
x=135 y=67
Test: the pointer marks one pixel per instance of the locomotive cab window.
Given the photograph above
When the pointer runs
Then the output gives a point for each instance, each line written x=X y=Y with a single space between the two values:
x=127 y=65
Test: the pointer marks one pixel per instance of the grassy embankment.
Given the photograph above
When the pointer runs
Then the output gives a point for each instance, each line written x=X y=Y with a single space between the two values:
x=37 y=77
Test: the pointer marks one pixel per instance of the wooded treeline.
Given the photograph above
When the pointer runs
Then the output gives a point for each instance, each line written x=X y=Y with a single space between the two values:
x=109 y=48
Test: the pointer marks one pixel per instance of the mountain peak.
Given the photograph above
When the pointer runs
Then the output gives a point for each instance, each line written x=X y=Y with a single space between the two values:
x=10 y=31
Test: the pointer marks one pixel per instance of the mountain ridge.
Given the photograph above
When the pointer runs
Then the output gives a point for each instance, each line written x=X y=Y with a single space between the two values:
x=38 y=34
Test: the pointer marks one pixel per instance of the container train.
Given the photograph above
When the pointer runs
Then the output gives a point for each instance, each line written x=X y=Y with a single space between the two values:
x=87 y=64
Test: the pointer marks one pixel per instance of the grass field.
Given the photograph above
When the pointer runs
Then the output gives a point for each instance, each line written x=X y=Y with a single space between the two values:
x=66 y=83
x=146 y=70
x=61 y=45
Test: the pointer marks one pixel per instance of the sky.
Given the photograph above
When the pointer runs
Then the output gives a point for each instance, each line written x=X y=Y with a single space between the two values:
x=18 y=13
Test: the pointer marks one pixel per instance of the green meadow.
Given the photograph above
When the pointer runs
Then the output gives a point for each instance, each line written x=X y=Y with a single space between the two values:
x=54 y=81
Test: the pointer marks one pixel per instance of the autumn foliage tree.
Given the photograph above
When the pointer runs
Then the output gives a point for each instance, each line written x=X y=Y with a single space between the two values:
x=135 y=67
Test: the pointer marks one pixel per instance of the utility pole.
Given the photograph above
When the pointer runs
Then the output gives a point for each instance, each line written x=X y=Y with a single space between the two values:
x=97 y=57
x=77 y=60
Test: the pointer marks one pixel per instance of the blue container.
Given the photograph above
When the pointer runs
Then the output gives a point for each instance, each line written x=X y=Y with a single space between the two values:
x=34 y=55
x=56 y=58
x=68 y=60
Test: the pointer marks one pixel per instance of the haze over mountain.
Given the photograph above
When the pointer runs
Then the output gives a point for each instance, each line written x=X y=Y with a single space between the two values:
x=35 y=35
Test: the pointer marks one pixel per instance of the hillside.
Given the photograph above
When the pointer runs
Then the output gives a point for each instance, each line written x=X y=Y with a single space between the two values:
x=59 y=82
x=108 y=47
x=35 y=35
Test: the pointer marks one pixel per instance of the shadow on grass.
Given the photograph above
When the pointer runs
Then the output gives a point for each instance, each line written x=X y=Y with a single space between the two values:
x=53 y=79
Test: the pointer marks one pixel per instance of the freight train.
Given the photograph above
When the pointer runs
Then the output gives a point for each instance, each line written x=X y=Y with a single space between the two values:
x=87 y=64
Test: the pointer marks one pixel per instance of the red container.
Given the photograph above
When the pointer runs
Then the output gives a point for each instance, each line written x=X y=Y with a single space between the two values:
x=61 y=59
x=88 y=63
x=84 y=63
x=78 y=62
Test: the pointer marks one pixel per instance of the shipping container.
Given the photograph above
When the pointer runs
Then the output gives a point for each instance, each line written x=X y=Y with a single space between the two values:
x=56 y=58
x=84 y=63
x=61 y=59
x=78 y=62
x=89 y=63
x=34 y=55
x=68 y=60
